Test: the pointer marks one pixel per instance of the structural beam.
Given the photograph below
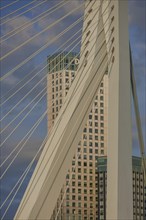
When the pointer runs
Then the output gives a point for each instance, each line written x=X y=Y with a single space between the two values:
x=119 y=163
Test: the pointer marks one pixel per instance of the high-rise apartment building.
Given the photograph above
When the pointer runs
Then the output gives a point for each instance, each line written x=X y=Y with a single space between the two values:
x=78 y=198
x=139 y=189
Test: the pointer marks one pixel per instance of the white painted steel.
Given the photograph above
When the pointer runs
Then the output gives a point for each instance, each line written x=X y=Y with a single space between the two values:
x=119 y=163
x=43 y=190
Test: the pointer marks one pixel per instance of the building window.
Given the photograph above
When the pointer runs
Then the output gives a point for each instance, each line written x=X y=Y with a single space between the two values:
x=90 y=130
x=96 y=138
x=90 y=144
x=73 y=204
x=96 y=131
x=90 y=137
x=96 y=151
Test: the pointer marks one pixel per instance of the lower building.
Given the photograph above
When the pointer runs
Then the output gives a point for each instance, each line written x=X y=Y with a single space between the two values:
x=139 y=189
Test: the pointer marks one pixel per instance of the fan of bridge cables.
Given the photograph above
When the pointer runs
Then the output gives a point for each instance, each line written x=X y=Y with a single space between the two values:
x=30 y=32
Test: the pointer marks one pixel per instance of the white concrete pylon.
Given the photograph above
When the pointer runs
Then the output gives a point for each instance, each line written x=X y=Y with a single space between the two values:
x=119 y=162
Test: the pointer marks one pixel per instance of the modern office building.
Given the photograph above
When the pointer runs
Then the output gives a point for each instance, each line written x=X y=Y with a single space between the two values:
x=78 y=198
x=139 y=189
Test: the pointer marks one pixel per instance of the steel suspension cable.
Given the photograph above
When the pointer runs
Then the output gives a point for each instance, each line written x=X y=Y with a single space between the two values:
x=38 y=51
x=43 y=67
x=36 y=35
x=41 y=80
x=25 y=172
x=9 y=4
x=33 y=21
x=30 y=109
x=30 y=133
x=27 y=134
x=22 y=120
x=30 y=3
x=5 y=160
x=37 y=67
x=4 y=17
x=40 y=120
x=34 y=54
x=24 y=96
x=27 y=105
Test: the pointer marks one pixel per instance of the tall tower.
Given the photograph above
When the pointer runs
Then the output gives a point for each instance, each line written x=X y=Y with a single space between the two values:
x=79 y=199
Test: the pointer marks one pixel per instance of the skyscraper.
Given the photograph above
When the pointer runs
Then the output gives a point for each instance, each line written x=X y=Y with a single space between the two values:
x=79 y=193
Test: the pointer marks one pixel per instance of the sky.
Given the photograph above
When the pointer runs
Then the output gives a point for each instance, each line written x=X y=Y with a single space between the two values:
x=9 y=86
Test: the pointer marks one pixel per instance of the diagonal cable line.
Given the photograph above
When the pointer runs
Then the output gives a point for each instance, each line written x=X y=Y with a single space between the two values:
x=23 y=176
x=38 y=101
x=67 y=42
x=28 y=105
x=30 y=133
x=22 y=119
x=36 y=125
x=20 y=112
x=30 y=57
x=38 y=51
x=47 y=28
x=37 y=67
x=5 y=160
x=24 y=6
x=22 y=98
x=32 y=100
x=33 y=21
x=9 y=4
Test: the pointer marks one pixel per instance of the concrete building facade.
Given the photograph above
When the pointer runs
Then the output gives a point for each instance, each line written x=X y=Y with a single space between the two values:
x=79 y=193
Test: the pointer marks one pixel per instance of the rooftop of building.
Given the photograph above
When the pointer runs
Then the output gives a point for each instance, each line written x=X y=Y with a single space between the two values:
x=62 y=60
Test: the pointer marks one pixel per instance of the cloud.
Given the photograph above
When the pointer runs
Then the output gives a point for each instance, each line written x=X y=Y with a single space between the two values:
x=75 y=4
